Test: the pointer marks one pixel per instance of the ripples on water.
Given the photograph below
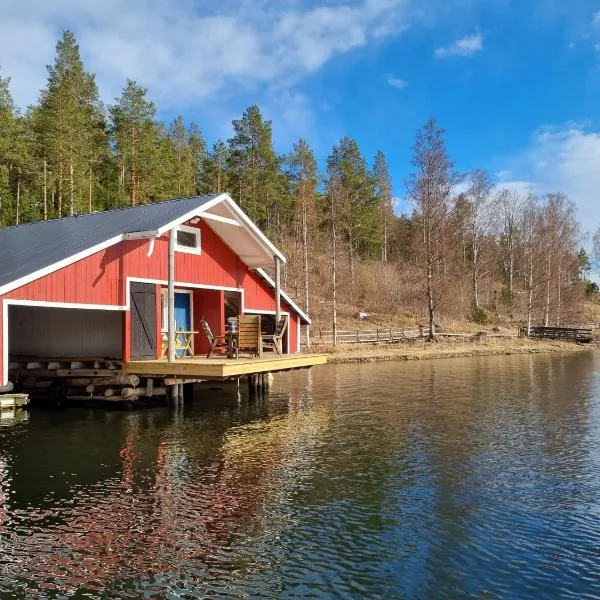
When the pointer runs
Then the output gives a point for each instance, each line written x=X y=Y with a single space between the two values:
x=474 y=478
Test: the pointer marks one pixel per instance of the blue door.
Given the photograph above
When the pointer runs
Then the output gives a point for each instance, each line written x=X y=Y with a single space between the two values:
x=183 y=314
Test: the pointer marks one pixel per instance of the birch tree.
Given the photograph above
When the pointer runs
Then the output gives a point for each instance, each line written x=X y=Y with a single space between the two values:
x=384 y=197
x=508 y=208
x=479 y=220
x=531 y=232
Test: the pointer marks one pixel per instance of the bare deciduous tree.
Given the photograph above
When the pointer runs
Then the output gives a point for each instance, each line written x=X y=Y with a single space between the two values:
x=430 y=188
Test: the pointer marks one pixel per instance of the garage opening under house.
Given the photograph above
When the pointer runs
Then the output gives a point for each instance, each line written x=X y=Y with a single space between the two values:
x=135 y=285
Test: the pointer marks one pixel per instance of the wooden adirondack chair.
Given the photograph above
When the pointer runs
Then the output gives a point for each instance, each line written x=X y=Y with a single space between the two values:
x=215 y=341
x=275 y=340
x=248 y=335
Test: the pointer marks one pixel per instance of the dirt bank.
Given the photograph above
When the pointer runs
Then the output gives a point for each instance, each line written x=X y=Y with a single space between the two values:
x=421 y=350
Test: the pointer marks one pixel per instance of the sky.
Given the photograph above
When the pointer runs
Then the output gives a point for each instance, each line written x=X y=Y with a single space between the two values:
x=515 y=83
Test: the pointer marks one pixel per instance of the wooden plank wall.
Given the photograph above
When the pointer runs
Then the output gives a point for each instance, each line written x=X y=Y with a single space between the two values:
x=56 y=332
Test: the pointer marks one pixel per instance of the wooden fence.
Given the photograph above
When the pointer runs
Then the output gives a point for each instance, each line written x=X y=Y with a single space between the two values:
x=571 y=334
x=321 y=337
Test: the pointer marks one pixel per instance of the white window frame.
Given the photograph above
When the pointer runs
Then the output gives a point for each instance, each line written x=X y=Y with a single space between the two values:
x=193 y=230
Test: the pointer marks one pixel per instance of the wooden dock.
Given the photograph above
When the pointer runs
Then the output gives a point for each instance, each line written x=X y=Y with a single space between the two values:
x=581 y=335
x=222 y=368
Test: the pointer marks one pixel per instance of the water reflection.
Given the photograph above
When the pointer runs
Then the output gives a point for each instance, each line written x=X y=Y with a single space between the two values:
x=457 y=478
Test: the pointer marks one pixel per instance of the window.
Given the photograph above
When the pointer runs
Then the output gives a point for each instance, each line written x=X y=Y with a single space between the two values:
x=188 y=239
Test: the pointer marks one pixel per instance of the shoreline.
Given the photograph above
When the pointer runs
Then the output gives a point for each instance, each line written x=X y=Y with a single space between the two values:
x=422 y=350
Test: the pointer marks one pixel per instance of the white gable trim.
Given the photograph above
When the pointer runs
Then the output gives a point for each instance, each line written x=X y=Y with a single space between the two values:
x=202 y=211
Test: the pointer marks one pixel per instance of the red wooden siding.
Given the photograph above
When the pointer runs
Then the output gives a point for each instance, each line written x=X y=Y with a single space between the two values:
x=97 y=279
x=209 y=305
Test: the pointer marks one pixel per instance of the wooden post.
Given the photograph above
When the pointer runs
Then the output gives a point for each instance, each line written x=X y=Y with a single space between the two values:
x=277 y=290
x=173 y=392
x=171 y=294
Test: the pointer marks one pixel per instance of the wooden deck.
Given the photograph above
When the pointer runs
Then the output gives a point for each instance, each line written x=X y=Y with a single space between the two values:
x=222 y=368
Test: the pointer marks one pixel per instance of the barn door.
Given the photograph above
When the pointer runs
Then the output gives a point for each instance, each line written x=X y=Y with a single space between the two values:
x=143 y=321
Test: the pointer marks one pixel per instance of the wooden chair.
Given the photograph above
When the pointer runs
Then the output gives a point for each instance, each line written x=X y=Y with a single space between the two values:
x=215 y=341
x=248 y=335
x=275 y=340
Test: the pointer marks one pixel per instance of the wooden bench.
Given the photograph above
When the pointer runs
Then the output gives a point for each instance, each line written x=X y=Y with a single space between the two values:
x=248 y=335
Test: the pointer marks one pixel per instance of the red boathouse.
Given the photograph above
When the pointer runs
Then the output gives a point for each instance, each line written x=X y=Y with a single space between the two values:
x=96 y=285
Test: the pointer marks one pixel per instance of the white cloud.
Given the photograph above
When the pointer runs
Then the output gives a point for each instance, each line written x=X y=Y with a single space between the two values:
x=596 y=20
x=189 y=51
x=561 y=160
x=465 y=46
x=396 y=82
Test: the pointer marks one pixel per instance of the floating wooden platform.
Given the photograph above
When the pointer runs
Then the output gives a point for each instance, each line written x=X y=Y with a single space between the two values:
x=12 y=401
x=222 y=368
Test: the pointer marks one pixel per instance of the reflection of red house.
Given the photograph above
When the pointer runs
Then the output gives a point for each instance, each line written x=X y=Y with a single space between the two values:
x=93 y=285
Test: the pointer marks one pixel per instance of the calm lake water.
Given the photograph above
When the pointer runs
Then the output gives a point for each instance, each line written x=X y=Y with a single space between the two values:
x=462 y=478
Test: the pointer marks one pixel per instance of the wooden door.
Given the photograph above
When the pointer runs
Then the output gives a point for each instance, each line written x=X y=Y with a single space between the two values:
x=143 y=321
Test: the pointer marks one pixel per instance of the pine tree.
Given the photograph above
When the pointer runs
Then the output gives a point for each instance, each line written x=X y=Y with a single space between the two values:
x=303 y=177
x=136 y=135
x=384 y=197
x=185 y=167
x=71 y=129
x=197 y=146
x=357 y=209
x=7 y=140
x=254 y=170
x=215 y=175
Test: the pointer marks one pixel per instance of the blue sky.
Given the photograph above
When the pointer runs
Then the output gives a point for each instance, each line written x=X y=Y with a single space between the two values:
x=516 y=83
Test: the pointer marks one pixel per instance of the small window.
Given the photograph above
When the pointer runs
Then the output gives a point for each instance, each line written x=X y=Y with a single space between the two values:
x=188 y=239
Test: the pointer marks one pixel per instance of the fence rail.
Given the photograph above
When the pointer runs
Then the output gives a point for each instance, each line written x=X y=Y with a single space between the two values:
x=574 y=334
x=368 y=336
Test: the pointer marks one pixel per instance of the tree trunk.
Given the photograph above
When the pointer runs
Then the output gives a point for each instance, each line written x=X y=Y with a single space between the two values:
x=133 y=170
x=558 y=294
x=547 y=308
x=334 y=272
x=475 y=276
x=90 y=205
x=530 y=292
x=72 y=200
x=305 y=257
x=430 y=299
x=511 y=270
x=18 y=215
x=45 y=191
x=60 y=187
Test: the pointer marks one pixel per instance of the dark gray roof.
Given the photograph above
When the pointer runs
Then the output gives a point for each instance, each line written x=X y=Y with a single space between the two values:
x=25 y=249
